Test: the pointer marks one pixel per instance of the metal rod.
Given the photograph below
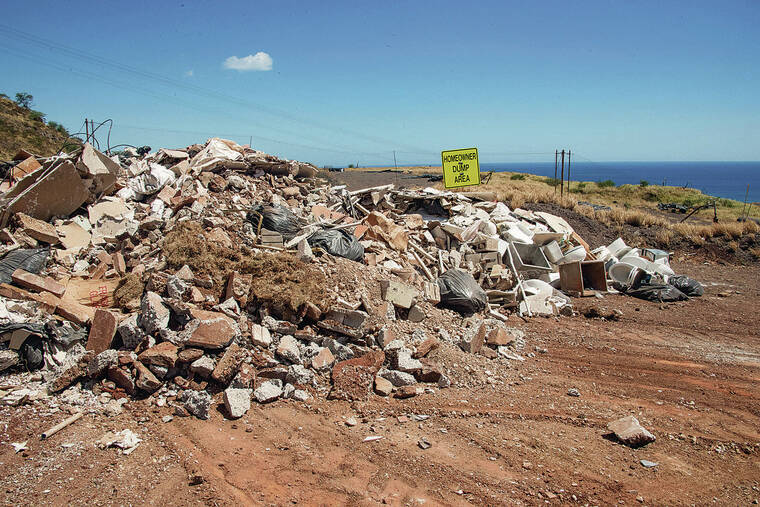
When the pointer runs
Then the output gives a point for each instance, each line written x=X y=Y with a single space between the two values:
x=746 y=196
x=555 y=170
x=562 y=178
x=568 y=171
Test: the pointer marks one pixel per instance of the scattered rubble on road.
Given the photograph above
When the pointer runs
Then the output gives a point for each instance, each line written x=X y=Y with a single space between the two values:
x=221 y=269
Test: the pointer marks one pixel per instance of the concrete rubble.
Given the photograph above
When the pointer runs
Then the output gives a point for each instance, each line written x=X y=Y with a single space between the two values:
x=159 y=265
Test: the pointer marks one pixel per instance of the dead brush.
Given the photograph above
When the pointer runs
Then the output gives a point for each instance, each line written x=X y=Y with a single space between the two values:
x=664 y=236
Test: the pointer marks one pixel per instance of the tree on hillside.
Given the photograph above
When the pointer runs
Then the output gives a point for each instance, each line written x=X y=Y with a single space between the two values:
x=24 y=100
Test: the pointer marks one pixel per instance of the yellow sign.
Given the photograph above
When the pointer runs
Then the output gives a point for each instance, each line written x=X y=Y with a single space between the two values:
x=460 y=168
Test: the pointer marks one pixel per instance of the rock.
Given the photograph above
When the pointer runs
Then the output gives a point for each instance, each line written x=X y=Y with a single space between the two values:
x=102 y=331
x=323 y=360
x=163 y=354
x=298 y=374
x=630 y=432
x=214 y=333
x=237 y=401
x=101 y=362
x=399 y=294
x=340 y=351
x=353 y=379
x=159 y=371
x=288 y=349
x=146 y=380
x=121 y=378
x=37 y=283
x=131 y=333
x=416 y=314
x=425 y=348
x=430 y=372
x=383 y=387
x=67 y=377
x=260 y=336
x=154 y=314
x=238 y=287
x=177 y=288
x=311 y=311
x=402 y=360
x=229 y=307
x=398 y=378
x=203 y=366
x=268 y=391
x=37 y=229
x=288 y=390
x=197 y=403
x=384 y=337
x=473 y=338
x=304 y=252
x=229 y=364
x=185 y=274
x=8 y=359
x=407 y=392
x=573 y=392
x=300 y=395
x=189 y=355
x=245 y=377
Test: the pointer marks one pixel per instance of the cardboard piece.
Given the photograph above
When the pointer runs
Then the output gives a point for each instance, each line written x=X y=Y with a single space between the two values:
x=92 y=293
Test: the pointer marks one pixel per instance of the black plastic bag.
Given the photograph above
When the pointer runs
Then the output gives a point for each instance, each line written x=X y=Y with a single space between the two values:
x=688 y=286
x=31 y=259
x=31 y=353
x=338 y=242
x=663 y=293
x=275 y=218
x=460 y=292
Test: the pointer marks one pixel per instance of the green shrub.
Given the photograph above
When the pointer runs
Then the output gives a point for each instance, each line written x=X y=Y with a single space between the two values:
x=24 y=100
x=350 y=166
x=37 y=116
x=643 y=183
x=552 y=182
x=606 y=184
x=581 y=187
x=517 y=177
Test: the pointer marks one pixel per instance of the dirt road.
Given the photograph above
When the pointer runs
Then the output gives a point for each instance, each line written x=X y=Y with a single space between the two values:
x=505 y=433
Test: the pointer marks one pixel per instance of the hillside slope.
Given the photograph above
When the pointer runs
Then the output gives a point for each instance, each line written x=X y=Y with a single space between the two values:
x=19 y=129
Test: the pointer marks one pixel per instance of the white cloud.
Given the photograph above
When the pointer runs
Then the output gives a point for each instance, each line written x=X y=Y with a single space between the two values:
x=259 y=61
x=189 y=73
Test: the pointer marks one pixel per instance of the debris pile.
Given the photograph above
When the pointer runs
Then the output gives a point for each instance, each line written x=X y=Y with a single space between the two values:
x=219 y=268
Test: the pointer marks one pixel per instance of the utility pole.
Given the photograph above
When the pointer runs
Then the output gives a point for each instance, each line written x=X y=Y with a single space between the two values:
x=562 y=178
x=250 y=141
x=394 y=159
x=555 y=170
x=568 y=171
x=87 y=131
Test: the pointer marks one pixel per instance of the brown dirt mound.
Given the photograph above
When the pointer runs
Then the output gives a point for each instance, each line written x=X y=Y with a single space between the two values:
x=186 y=244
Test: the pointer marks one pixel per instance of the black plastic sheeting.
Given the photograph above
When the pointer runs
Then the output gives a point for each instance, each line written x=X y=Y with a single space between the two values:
x=31 y=259
x=275 y=218
x=31 y=352
x=662 y=293
x=460 y=292
x=688 y=286
x=339 y=243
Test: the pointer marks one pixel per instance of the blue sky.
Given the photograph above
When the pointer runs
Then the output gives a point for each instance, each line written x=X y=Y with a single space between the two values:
x=353 y=81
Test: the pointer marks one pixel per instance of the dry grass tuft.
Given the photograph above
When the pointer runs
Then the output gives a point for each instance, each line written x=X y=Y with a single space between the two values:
x=130 y=287
x=280 y=281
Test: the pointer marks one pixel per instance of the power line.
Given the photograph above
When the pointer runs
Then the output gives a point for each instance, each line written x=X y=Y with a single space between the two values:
x=18 y=34
x=169 y=98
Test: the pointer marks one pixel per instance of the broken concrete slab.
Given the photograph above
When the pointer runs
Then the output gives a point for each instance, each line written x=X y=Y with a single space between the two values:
x=399 y=294
x=37 y=229
x=46 y=193
x=237 y=401
x=102 y=331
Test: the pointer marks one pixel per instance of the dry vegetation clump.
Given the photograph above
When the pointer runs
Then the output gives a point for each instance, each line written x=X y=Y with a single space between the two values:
x=280 y=281
x=186 y=244
x=283 y=283
x=129 y=288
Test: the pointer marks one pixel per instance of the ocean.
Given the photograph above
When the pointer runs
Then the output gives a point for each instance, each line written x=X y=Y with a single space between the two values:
x=720 y=179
